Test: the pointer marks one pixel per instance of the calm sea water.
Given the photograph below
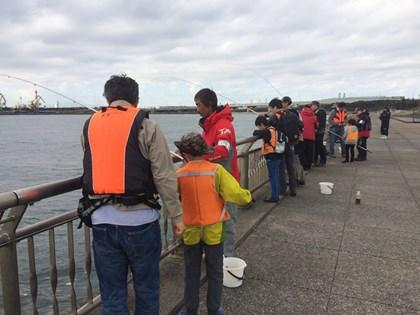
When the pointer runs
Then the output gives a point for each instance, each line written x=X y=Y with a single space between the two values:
x=41 y=149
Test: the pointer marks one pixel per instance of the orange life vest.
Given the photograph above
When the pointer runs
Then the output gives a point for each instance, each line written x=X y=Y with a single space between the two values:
x=270 y=147
x=340 y=117
x=112 y=162
x=201 y=204
x=352 y=135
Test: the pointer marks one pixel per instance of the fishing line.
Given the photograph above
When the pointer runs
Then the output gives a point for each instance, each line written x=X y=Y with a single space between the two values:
x=48 y=89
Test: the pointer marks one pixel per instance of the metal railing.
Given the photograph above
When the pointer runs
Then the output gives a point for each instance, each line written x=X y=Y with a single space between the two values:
x=13 y=206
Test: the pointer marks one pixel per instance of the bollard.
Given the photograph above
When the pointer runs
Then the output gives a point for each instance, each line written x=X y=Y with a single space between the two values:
x=358 y=197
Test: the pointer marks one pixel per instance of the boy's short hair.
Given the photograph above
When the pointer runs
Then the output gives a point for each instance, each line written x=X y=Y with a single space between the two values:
x=261 y=119
x=275 y=102
x=193 y=143
x=352 y=121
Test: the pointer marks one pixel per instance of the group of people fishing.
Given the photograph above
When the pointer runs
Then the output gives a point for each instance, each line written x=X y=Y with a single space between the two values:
x=127 y=165
x=129 y=172
x=294 y=140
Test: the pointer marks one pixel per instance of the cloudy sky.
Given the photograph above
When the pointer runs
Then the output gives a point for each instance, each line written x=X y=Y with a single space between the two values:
x=245 y=50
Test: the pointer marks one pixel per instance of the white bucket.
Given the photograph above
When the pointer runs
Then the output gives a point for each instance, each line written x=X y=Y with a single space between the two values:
x=326 y=188
x=233 y=272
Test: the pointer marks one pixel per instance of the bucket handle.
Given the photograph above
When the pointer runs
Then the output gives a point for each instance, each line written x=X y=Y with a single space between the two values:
x=235 y=276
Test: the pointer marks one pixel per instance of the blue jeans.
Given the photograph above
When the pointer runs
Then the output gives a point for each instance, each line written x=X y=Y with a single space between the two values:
x=117 y=247
x=214 y=269
x=273 y=167
x=337 y=132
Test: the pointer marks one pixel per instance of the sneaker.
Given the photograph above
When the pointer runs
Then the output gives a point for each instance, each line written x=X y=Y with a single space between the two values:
x=183 y=313
x=221 y=312
x=292 y=194
x=345 y=161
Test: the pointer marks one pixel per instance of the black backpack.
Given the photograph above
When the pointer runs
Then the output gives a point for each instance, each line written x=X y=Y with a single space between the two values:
x=290 y=125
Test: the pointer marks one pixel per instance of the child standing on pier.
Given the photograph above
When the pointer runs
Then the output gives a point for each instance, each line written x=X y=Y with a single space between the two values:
x=273 y=151
x=350 y=137
x=204 y=187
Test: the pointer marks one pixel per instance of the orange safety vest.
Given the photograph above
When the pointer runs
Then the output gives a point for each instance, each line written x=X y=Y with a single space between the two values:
x=352 y=135
x=112 y=162
x=201 y=204
x=270 y=147
x=340 y=117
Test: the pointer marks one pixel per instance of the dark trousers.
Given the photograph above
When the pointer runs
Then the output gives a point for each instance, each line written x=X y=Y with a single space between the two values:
x=291 y=172
x=214 y=268
x=384 y=128
x=307 y=153
x=320 y=149
x=350 y=152
x=362 y=144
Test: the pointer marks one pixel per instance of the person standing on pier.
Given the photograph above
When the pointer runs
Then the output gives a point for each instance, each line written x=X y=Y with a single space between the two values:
x=309 y=126
x=288 y=123
x=204 y=188
x=218 y=132
x=337 y=120
x=385 y=117
x=364 y=125
x=320 y=155
x=126 y=164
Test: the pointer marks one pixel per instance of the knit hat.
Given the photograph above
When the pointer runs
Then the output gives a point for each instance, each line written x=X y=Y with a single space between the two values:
x=194 y=144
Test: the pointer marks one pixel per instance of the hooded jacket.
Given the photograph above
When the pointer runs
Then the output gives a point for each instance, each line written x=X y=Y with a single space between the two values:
x=219 y=133
x=309 y=123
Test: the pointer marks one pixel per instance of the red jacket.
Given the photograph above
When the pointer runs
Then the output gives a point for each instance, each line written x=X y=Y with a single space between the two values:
x=309 y=123
x=219 y=133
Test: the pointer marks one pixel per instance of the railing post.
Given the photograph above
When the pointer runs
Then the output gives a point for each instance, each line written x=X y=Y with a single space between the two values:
x=244 y=164
x=9 y=261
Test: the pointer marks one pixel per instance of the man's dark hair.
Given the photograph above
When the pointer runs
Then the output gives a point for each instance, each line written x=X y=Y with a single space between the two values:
x=287 y=100
x=316 y=103
x=207 y=97
x=261 y=119
x=275 y=102
x=121 y=87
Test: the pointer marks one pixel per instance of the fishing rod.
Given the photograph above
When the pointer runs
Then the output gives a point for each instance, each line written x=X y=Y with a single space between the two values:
x=342 y=138
x=263 y=78
x=48 y=89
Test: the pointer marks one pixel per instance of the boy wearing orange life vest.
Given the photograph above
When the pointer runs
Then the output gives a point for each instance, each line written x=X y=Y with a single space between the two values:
x=204 y=187
x=270 y=150
x=350 y=138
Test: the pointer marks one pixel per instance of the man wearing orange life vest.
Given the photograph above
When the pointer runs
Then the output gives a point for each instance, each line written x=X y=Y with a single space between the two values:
x=126 y=163
x=204 y=187
x=218 y=132
x=337 y=120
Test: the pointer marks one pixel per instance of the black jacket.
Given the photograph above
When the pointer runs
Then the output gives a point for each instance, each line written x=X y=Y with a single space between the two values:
x=322 y=120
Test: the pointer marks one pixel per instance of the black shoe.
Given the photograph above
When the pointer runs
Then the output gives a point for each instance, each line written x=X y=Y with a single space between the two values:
x=292 y=194
x=271 y=200
x=345 y=161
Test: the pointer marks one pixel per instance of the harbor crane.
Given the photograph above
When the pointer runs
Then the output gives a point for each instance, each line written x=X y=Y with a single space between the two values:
x=37 y=101
x=2 y=100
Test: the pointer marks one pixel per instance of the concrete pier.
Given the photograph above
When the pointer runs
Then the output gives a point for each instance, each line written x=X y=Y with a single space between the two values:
x=324 y=254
